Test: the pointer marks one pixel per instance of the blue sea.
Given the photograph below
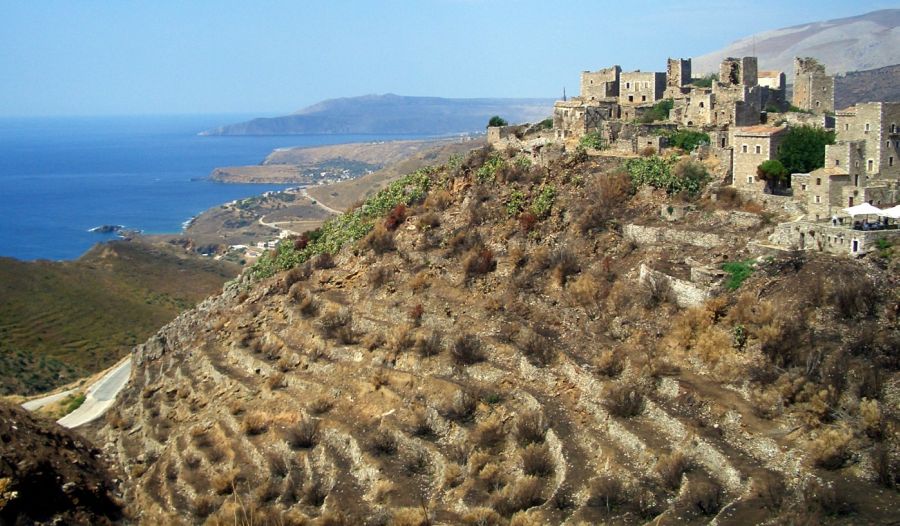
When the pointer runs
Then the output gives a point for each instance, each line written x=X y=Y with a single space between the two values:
x=60 y=177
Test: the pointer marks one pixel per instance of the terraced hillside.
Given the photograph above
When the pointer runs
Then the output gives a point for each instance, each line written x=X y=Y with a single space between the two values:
x=60 y=321
x=486 y=353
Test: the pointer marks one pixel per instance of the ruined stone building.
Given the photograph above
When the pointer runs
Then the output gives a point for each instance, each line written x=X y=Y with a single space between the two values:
x=813 y=88
x=752 y=146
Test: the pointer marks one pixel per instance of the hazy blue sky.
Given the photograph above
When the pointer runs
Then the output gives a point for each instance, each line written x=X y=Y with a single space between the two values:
x=125 y=57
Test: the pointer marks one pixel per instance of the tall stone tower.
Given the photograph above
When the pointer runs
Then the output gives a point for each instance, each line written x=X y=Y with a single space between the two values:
x=739 y=72
x=678 y=75
x=813 y=88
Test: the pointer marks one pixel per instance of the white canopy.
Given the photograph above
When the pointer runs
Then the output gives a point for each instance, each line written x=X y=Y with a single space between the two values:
x=893 y=213
x=864 y=209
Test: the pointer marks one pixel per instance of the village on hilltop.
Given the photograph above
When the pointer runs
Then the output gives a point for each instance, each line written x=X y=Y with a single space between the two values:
x=844 y=207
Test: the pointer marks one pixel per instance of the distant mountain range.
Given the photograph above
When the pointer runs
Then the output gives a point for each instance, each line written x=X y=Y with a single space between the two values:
x=856 y=43
x=873 y=85
x=393 y=114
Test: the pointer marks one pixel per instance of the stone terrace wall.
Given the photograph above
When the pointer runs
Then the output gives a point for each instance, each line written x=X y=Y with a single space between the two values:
x=653 y=235
x=686 y=294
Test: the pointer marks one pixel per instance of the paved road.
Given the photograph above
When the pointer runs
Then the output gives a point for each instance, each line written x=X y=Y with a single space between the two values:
x=320 y=204
x=37 y=403
x=100 y=396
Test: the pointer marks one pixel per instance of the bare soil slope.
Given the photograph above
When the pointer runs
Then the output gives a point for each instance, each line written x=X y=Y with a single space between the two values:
x=486 y=354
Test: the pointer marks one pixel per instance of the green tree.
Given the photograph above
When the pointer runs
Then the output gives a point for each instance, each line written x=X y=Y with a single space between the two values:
x=803 y=149
x=687 y=140
x=659 y=111
x=707 y=81
x=497 y=120
x=592 y=140
x=773 y=173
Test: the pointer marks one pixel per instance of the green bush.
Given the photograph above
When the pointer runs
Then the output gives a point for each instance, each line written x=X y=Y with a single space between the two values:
x=667 y=174
x=489 y=169
x=496 y=120
x=546 y=124
x=659 y=112
x=592 y=140
x=544 y=201
x=803 y=149
x=773 y=173
x=348 y=227
x=515 y=203
x=738 y=272
x=687 y=140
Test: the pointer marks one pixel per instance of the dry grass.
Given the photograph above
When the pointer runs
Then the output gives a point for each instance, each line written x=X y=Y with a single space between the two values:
x=337 y=324
x=380 y=275
x=489 y=433
x=320 y=405
x=670 y=468
x=702 y=496
x=523 y=493
x=460 y=408
x=429 y=344
x=483 y=517
x=401 y=337
x=380 y=240
x=420 y=424
x=624 y=400
x=610 y=363
x=323 y=261
x=563 y=264
x=479 y=261
x=607 y=492
x=537 y=349
x=276 y=381
x=306 y=303
x=383 y=443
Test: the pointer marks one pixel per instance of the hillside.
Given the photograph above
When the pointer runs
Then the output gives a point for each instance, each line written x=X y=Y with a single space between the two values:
x=882 y=84
x=483 y=350
x=60 y=321
x=50 y=475
x=393 y=114
x=863 y=42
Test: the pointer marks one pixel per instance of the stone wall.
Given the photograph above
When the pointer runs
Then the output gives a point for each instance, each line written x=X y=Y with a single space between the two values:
x=652 y=235
x=600 y=84
x=685 y=293
x=752 y=147
x=823 y=237
x=777 y=203
x=637 y=87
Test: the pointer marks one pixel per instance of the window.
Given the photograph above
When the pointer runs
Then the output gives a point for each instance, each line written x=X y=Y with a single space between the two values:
x=758 y=149
x=817 y=104
x=701 y=103
x=631 y=98
x=837 y=162
x=627 y=85
x=803 y=187
x=818 y=181
x=893 y=128
x=867 y=128
x=818 y=199
x=749 y=179
x=871 y=165
x=846 y=127
x=743 y=148
x=891 y=161
x=643 y=98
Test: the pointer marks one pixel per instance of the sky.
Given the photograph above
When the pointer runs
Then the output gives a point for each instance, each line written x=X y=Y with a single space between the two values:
x=123 y=57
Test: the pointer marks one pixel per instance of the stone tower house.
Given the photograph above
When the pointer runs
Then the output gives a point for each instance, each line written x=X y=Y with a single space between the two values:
x=813 y=89
x=678 y=75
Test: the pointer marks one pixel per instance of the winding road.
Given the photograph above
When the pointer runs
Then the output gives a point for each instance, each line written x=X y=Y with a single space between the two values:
x=98 y=398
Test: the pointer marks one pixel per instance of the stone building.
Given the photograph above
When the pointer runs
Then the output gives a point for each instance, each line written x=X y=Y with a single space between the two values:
x=600 y=85
x=752 y=145
x=678 y=78
x=878 y=125
x=637 y=88
x=774 y=84
x=813 y=88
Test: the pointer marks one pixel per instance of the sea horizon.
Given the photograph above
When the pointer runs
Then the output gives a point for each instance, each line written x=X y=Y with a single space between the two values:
x=61 y=176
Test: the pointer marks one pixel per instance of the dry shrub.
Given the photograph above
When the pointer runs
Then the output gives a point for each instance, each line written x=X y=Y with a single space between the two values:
x=489 y=433
x=430 y=344
x=380 y=240
x=608 y=194
x=870 y=418
x=302 y=435
x=438 y=200
x=767 y=402
x=373 y=341
x=522 y=494
x=415 y=462
x=323 y=261
x=728 y=199
x=306 y=303
x=537 y=460
x=479 y=261
x=854 y=298
x=255 y=423
x=585 y=290
x=702 y=496
x=493 y=476
x=669 y=468
x=420 y=424
x=825 y=498
x=276 y=381
x=395 y=217
x=203 y=506
x=191 y=461
x=409 y=517
x=223 y=483
x=527 y=222
x=478 y=213
x=419 y=282
x=769 y=489
x=460 y=408
x=337 y=324
x=315 y=491
x=482 y=517
x=428 y=221
x=886 y=465
x=537 y=349
x=278 y=465
x=564 y=264
x=607 y=492
x=383 y=442
x=531 y=428
x=467 y=350
x=295 y=275
x=610 y=363
x=654 y=291
x=380 y=275
x=831 y=449
x=624 y=400
x=320 y=405
x=401 y=337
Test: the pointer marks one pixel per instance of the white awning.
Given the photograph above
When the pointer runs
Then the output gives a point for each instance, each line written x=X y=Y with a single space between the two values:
x=864 y=209
x=893 y=213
